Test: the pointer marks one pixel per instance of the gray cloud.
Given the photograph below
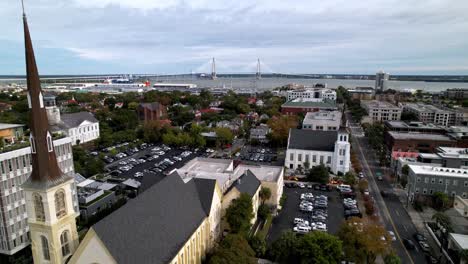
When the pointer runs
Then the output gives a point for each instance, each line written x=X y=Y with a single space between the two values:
x=291 y=36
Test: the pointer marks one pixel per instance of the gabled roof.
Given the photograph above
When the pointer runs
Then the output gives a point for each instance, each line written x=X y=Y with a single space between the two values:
x=247 y=183
x=206 y=189
x=154 y=226
x=312 y=139
x=75 y=119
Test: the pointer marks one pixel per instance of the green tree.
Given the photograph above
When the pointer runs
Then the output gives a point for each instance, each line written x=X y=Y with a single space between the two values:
x=258 y=245
x=392 y=259
x=349 y=178
x=223 y=136
x=263 y=211
x=132 y=105
x=314 y=247
x=443 y=220
x=265 y=194
x=232 y=250
x=440 y=200
x=280 y=127
x=239 y=214
x=306 y=164
x=318 y=174
x=463 y=255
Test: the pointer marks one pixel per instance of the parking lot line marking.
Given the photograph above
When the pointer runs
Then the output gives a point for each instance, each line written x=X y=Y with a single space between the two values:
x=385 y=206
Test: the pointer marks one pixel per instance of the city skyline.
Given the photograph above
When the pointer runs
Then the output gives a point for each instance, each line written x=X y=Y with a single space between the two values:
x=88 y=37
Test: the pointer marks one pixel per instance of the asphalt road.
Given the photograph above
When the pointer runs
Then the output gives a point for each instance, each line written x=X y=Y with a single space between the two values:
x=393 y=214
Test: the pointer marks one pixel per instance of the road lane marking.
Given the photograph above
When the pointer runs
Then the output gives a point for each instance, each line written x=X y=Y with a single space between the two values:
x=406 y=228
x=384 y=205
x=396 y=211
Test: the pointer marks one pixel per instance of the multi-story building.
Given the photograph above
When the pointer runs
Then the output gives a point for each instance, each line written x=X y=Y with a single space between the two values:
x=416 y=142
x=322 y=120
x=455 y=93
x=380 y=80
x=432 y=114
x=81 y=127
x=311 y=94
x=11 y=132
x=304 y=105
x=380 y=111
x=312 y=148
x=15 y=167
x=426 y=180
x=401 y=126
x=259 y=133
x=361 y=93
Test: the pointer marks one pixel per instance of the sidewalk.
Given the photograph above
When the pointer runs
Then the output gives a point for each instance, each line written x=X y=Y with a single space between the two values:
x=418 y=218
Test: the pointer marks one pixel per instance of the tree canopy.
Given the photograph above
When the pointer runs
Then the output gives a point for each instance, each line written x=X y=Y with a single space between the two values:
x=314 y=247
x=318 y=174
x=239 y=214
x=233 y=249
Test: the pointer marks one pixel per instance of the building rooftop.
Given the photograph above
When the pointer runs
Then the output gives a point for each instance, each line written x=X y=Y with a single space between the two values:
x=439 y=171
x=378 y=104
x=402 y=124
x=263 y=172
x=418 y=136
x=310 y=102
x=156 y=224
x=323 y=115
x=429 y=156
x=247 y=183
x=422 y=107
x=460 y=239
x=312 y=139
x=9 y=126
x=223 y=171
x=448 y=152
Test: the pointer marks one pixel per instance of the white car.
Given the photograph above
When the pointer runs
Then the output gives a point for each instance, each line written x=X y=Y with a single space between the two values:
x=138 y=174
x=301 y=229
x=301 y=185
x=300 y=221
x=392 y=235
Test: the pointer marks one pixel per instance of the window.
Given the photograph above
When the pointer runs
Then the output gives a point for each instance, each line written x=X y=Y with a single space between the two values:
x=64 y=240
x=328 y=159
x=341 y=162
x=455 y=182
x=299 y=157
x=424 y=191
x=291 y=156
x=433 y=180
x=38 y=207
x=441 y=181
x=314 y=158
x=60 y=206
x=45 y=248
x=50 y=145
x=307 y=158
x=418 y=179
x=33 y=143
x=426 y=180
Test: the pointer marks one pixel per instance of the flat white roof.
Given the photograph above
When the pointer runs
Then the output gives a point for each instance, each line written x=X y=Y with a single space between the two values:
x=460 y=239
x=415 y=135
x=438 y=171
x=378 y=104
x=323 y=115
x=85 y=183
x=263 y=173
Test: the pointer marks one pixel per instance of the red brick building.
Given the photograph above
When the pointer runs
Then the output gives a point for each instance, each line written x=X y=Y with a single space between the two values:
x=417 y=142
x=152 y=112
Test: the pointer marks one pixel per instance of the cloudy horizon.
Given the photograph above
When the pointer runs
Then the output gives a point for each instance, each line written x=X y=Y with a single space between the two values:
x=180 y=36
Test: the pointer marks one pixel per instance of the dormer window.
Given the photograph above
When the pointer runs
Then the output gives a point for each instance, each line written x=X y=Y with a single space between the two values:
x=32 y=141
x=50 y=146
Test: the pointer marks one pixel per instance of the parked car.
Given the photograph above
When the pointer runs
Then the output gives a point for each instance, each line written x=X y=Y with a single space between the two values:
x=138 y=174
x=301 y=229
x=424 y=246
x=408 y=243
x=419 y=237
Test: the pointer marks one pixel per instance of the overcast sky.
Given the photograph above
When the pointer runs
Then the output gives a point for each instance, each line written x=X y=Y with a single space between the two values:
x=289 y=36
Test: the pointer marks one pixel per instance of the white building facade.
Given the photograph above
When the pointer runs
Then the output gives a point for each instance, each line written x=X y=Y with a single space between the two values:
x=322 y=120
x=380 y=111
x=313 y=148
x=311 y=93
x=15 y=168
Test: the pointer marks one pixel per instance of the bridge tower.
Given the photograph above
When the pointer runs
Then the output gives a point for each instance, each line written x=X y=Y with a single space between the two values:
x=213 y=69
x=258 y=74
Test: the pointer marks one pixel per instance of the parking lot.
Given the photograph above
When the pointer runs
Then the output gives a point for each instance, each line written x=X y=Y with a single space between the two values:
x=264 y=155
x=151 y=164
x=285 y=219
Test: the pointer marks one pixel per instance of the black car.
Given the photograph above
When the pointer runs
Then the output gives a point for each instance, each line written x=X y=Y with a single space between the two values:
x=431 y=259
x=419 y=237
x=325 y=187
x=408 y=243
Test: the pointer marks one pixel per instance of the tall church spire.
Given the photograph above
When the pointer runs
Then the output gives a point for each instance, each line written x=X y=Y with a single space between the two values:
x=44 y=162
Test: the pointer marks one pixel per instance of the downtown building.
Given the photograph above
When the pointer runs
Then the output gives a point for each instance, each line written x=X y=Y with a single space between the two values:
x=380 y=81
x=380 y=111
x=311 y=94
x=314 y=147
x=322 y=120
x=15 y=168
x=436 y=115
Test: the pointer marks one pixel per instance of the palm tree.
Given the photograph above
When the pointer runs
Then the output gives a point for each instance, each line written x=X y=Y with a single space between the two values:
x=265 y=194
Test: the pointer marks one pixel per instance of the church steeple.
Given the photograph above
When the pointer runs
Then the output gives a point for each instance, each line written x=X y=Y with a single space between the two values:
x=44 y=162
x=50 y=194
